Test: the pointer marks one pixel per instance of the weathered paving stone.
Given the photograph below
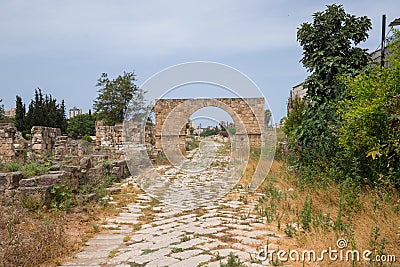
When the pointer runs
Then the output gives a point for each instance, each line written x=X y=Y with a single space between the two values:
x=214 y=264
x=150 y=255
x=248 y=240
x=179 y=238
x=192 y=243
x=186 y=254
x=163 y=261
x=125 y=256
x=195 y=261
x=211 y=245
x=242 y=247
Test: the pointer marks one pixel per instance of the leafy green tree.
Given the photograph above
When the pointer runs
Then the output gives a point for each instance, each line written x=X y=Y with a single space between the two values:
x=114 y=96
x=329 y=51
x=81 y=125
x=295 y=116
x=370 y=128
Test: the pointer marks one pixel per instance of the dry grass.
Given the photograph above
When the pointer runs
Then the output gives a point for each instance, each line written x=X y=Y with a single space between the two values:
x=357 y=224
x=43 y=238
x=31 y=239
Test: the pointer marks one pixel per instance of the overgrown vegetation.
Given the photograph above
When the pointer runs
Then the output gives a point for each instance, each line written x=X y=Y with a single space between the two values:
x=30 y=240
x=232 y=261
x=347 y=127
x=329 y=52
x=33 y=234
x=27 y=169
x=316 y=219
x=370 y=123
x=340 y=176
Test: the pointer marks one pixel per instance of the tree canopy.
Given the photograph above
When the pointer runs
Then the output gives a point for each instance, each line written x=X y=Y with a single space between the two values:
x=329 y=51
x=114 y=96
x=43 y=110
x=81 y=125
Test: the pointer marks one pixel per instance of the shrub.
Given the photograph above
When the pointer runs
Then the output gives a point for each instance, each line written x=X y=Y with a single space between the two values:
x=62 y=197
x=12 y=166
x=33 y=169
x=233 y=261
x=87 y=138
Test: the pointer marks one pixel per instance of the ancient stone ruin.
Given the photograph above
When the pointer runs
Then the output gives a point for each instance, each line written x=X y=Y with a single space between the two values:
x=109 y=136
x=172 y=115
x=43 y=139
x=7 y=137
x=73 y=163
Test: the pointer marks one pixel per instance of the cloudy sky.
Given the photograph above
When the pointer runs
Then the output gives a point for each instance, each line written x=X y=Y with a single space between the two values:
x=64 y=46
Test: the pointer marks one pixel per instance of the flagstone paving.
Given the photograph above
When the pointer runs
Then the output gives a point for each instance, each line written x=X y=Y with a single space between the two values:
x=172 y=237
x=176 y=238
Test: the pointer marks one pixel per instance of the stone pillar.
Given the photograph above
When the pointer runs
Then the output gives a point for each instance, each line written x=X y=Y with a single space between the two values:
x=7 y=135
x=44 y=139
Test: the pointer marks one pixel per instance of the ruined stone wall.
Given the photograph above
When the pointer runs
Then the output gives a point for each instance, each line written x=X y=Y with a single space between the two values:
x=109 y=137
x=67 y=147
x=13 y=185
x=43 y=139
x=247 y=113
x=7 y=136
x=112 y=137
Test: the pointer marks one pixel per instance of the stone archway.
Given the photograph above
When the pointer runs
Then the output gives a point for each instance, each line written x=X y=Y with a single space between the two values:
x=172 y=114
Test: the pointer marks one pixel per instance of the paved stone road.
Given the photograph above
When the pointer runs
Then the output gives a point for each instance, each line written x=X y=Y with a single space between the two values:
x=172 y=237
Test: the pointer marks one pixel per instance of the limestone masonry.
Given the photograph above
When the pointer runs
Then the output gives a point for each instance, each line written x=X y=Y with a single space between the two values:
x=172 y=115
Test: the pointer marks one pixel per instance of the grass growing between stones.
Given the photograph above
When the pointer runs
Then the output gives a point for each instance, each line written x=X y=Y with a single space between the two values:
x=315 y=217
x=232 y=261
x=27 y=169
x=113 y=253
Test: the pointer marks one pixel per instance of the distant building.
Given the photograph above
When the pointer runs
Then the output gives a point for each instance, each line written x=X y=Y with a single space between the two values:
x=190 y=128
x=376 y=56
x=74 y=112
x=298 y=91
x=198 y=130
x=10 y=113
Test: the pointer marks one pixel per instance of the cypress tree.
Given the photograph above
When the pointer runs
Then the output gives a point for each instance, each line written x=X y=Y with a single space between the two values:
x=20 y=119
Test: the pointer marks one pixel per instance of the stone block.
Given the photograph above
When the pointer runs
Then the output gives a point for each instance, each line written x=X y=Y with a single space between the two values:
x=40 y=194
x=10 y=180
x=13 y=179
x=3 y=180
x=86 y=162
x=50 y=179
x=75 y=170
